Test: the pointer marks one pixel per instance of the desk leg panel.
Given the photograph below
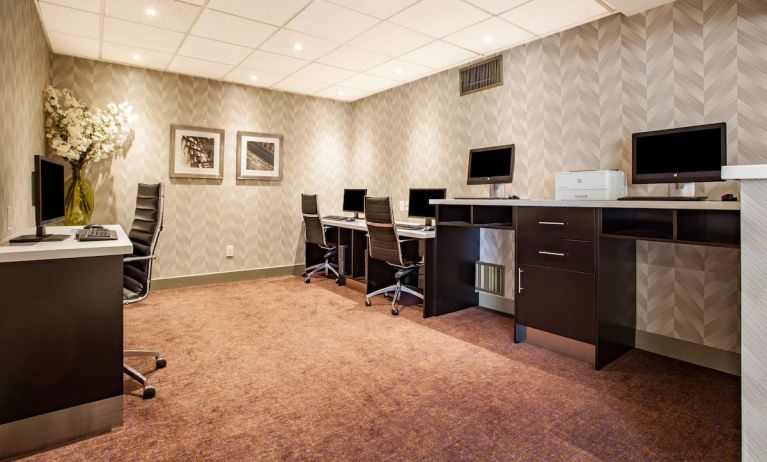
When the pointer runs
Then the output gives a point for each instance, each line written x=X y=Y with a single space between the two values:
x=61 y=334
x=455 y=255
x=616 y=300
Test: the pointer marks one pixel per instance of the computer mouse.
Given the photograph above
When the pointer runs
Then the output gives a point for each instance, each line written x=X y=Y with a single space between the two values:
x=514 y=197
x=729 y=197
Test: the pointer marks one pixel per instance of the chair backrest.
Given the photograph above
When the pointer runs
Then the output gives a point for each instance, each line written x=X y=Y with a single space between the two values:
x=144 y=233
x=313 y=229
x=383 y=239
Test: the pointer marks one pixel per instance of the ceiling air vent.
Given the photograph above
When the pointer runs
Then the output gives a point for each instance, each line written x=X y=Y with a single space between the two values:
x=482 y=75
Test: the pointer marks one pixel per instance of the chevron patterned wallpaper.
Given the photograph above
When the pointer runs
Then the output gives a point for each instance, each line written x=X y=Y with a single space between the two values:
x=23 y=76
x=571 y=101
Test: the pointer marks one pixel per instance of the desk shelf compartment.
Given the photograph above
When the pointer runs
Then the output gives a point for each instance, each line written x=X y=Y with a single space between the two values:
x=641 y=224
x=709 y=227
x=493 y=216
x=454 y=215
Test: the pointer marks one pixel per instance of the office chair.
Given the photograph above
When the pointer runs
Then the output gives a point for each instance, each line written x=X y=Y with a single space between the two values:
x=137 y=268
x=384 y=244
x=314 y=232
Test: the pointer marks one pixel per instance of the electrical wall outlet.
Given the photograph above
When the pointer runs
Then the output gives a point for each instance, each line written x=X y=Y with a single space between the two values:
x=229 y=251
x=407 y=206
x=9 y=218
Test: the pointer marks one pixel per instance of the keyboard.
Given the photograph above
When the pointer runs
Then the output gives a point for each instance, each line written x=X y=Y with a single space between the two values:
x=410 y=227
x=662 y=198
x=96 y=234
x=339 y=218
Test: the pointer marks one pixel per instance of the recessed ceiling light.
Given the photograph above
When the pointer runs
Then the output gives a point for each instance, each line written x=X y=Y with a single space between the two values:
x=398 y=71
x=254 y=77
x=137 y=57
x=341 y=93
x=150 y=12
x=298 y=47
x=487 y=38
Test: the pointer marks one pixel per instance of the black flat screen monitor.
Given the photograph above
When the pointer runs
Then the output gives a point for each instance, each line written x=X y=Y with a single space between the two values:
x=354 y=200
x=680 y=155
x=49 y=190
x=492 y=165
x=418 y=202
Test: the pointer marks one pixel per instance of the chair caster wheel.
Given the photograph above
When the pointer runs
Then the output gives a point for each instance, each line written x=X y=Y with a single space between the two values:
x=304 y=274
x=341 y=281
x=149 y=392
x=307 y=281
x=368 y=302
x=394 y=312
x=159 y=363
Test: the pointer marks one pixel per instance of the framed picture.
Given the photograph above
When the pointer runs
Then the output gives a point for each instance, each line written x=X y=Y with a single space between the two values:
x=259 y=156
x=196 y=152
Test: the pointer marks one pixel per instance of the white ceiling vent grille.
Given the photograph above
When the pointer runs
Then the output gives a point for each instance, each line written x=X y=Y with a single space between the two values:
x=481 y=76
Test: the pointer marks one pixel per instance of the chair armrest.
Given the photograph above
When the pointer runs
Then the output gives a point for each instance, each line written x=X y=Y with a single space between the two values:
x=130 y=259
x=410 y=239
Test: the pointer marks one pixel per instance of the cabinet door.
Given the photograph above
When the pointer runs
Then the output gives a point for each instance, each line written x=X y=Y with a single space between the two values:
x=556 y=301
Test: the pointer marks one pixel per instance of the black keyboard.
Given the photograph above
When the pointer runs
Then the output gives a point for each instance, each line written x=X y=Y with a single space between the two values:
x=410 y=227
x=339 y=218
x=662 y=198
x=96 y=234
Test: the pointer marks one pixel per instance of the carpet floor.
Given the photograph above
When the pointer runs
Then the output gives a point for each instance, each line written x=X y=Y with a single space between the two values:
x=278 y=370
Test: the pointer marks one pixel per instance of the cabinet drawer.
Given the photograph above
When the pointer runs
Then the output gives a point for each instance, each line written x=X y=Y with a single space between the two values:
x=557 y=301
x=558 y=222
x=556 y=253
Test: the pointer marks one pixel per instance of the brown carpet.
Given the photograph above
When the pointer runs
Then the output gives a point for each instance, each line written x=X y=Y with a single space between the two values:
x=278 y=370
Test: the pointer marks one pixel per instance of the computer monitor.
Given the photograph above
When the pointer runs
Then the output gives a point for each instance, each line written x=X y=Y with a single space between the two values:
x=47 y=198
x=680 y=155
x=354 y=201
x=493 y=166
x=418 y=203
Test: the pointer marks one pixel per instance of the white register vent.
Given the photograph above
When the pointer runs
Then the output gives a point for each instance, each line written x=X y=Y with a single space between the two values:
x=488 y=278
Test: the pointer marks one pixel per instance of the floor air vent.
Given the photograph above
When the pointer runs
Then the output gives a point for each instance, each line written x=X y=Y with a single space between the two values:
x=481 y=76
x=488 y=278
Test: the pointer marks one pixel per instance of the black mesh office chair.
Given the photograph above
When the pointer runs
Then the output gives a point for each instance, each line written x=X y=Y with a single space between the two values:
x=137 y=268
x=384 y=244
x=314 y=232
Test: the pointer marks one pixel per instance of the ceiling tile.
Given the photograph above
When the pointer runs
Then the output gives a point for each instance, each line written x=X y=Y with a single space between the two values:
x=231 y=29
x=245 y=76
x=390 y=39
x=331 y=22
x=283 y=42
x=368 y=82
x=439 y=17
x=399 y=70
x=128 y=54
x=151 y=38
x=68 y=44
x=342 y=93
x=296 y=85
x=272 y=62
x=542 y=17
x=276 y=12
x=489 y=35
x=439 y=55
x=355 y=59
x=212 y=50
x=378 y=8
x=171 y=15
x=93 y=6
x=60 y=19
x=198 y=67
x=323 y=73
x=497 y=6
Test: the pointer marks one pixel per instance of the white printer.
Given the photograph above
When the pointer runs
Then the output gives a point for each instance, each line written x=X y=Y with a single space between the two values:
x=590 y=185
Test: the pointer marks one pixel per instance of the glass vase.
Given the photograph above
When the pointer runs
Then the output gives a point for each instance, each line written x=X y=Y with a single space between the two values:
x=78 y=199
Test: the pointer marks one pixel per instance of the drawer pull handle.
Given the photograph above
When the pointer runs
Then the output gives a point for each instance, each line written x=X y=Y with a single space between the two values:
x=555 y=223
x=553 y=254
x=520 y=272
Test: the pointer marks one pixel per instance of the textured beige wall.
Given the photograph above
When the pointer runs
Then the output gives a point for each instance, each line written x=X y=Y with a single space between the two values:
x=261 y=219
x=24 y=62
x=571 y=101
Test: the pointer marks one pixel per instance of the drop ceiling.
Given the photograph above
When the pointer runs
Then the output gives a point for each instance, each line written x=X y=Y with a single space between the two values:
x=338 y=49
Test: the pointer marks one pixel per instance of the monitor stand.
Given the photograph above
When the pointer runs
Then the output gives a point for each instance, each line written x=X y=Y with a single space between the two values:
x=356 y=215
x=497 y=191
x=428 y=222
x=681 y=190
x=39 y=236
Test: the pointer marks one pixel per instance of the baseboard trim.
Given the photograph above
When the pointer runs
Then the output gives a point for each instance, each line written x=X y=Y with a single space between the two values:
x=226 y=276
x=496 y=303
x=713 y=358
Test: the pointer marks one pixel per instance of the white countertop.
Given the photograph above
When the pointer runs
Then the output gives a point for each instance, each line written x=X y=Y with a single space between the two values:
x=68 y=248
x=689 y=205
x=745 y=172
x=359 y=225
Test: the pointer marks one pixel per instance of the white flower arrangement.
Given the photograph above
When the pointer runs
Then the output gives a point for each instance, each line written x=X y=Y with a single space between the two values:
x=82 y=133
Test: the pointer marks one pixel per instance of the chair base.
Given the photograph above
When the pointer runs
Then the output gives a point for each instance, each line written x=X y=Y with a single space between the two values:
x=397 y=288
x=148 y=390
x=321 y=267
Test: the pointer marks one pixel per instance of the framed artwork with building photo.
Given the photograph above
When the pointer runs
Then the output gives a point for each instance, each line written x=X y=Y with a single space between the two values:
x=196 y=152
x=259 y=156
